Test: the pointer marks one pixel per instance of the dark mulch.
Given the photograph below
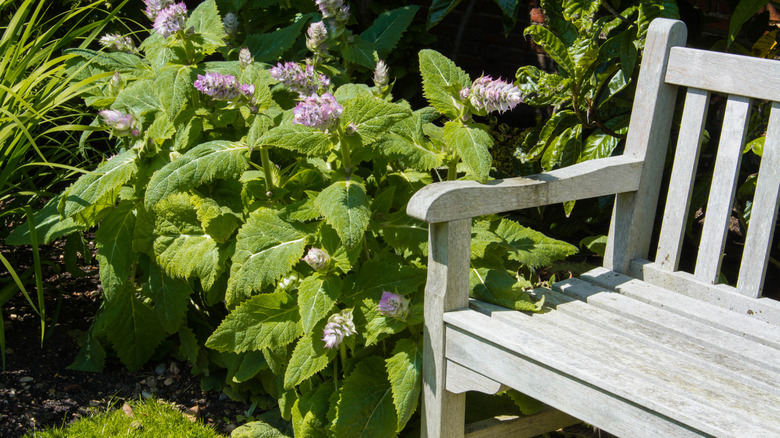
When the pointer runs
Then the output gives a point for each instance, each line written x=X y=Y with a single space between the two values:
x=37 y=389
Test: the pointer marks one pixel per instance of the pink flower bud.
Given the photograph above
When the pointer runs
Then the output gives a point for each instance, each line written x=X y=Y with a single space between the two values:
x=117 y=43
x=317 y=258
x=121 y=124
x=245 y=58
x=339 y=326
x=393 y=305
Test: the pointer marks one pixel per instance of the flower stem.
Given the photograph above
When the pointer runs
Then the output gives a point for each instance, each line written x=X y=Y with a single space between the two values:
x=345 y=152
x=343 y=354
x=452 y=171
x=269 y=178
x=336 y=375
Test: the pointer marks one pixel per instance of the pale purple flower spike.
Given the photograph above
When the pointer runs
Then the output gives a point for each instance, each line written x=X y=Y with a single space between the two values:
x=116 y=42
x=230 y=23
x=339 y=326
x=245 y=58
x=492 y=94
x=303 y=81
x=122 y=124
x=317 y=36
x=321 y=112
x=317 y=258
x=223 y=87
x=393 y=305
x=381 y=75
x=153 y=7
x=171 y=19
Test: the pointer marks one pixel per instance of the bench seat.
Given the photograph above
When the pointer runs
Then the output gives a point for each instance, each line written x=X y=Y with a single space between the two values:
x=640 y=366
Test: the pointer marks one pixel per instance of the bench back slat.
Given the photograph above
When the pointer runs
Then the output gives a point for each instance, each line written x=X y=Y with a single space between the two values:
x=686 y=159
x=723 y=73
x=763 y=213
x=722 y=189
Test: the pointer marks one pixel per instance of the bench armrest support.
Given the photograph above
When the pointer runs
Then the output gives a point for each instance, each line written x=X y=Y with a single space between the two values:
x=454 y=200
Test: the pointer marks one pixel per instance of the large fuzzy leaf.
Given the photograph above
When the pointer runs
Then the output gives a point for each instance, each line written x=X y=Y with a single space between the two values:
x=207 y=23
x=442 y=82
x=365 y=408
x=359 y=51
x=181 y=246
x=264 y=321
x=268 y=47
x=405 y=233
x=345 y=207
x=473 y=145
x=170 y=296
x=524 y=245
x=298 y=138
x=309 y=413
x=316 y=296
x=388 y=28
x=132 y=327
x=94 y=186
x=406 y=143
x=114 y=239
x=309 y=357
x=138 y=98
x=376 y=276
x=498 y=287
x=201 y=164
x=173 y=85
x=266 y=249
x=372 y=117
x=404 y=369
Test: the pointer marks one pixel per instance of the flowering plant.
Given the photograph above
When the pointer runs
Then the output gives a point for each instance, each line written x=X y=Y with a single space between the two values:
x=205 y=216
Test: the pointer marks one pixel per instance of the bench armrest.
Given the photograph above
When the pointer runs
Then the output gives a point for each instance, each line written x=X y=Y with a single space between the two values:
x=452 y=200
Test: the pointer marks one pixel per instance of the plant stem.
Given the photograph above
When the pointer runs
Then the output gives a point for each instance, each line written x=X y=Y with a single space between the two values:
x=343 y=354
x=345 y=153
x=452 y=171
x=269 y=178
x=336 y=375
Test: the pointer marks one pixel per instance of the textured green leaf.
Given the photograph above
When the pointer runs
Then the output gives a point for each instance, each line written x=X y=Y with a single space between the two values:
x=174 y=85
x=49 y=225
x=404 y=369
x=170 y=296
x=406 y=143
x=316 y=296
x=114 y=240
x=266 y=249
x=473 y=145
x=442 y=82
x=106 y=179
x=540 y=89
x=207 y=23
x=388 y=274
x=298 y=138
x=530 y=247
x=564 y=149
x=188 y=344
x=372 y=117
x=498 y=287
x=258 y=429
x=309 y=357
x=181 y=246
x=359 y=51
x=268 y=47
x=344 y=258
x=439 y=9
x=252 y=363
x=345 y=207
x=91 y=357
x=309 y=413
x=553 y=46
x=526 y=404
x=219 y=221
x=264 y=321
x=388 y=28
x=405 y=233
x=598 y=145
x=132 y=327
x=365 y=407
x=377 y=324
x=138 y=98
x=204 y=163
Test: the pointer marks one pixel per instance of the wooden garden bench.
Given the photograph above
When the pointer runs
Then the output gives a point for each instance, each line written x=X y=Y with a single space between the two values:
x=637 y=348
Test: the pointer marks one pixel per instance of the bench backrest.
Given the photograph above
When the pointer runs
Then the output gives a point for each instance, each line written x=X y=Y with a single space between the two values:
x=666 y=65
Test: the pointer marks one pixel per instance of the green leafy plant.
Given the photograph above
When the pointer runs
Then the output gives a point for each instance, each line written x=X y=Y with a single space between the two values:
x=37 y=115
x=253 y=222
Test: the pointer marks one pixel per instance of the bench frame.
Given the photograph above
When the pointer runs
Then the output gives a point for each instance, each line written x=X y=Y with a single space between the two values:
x=635 y=180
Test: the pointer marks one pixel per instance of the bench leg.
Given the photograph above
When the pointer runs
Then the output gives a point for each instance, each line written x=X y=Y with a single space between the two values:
x=443 y=413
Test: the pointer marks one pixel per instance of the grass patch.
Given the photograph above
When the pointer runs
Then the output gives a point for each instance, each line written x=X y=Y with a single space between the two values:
x=143 y=418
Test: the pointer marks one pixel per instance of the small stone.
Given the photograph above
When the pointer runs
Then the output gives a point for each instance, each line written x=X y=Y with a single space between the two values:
x=146 y=394
x=168 y=381
x=174 y=369
x=26 y=379
x=159 y=369
x=94 y=403
x=193 y=411
x=127 y=410
x=136 y=425
x=150 y=382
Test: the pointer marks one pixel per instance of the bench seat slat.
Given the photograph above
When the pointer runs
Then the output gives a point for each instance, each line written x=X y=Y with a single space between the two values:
x=569 y=356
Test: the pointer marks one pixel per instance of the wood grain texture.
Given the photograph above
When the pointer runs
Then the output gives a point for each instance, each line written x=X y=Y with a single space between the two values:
x=461 y=379
x=724 y=73
x=678 y=198
x=763 y=212
x=722 y=189
x=443 y=413
x=520 y=427
x=648 y=136
x=445 y=201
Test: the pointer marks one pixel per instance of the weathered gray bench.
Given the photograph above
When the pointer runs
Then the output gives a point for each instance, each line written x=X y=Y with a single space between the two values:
x=637 y=348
